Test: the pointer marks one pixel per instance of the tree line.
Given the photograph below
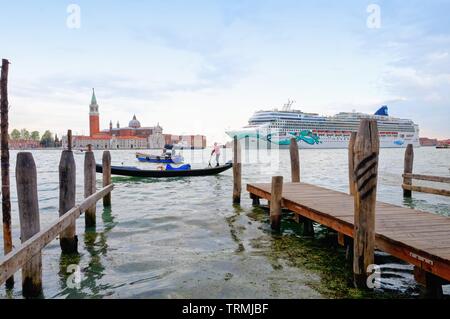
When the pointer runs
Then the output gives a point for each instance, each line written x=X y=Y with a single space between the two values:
x=46 y=140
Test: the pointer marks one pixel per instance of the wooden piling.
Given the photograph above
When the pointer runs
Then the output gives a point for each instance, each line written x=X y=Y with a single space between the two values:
x=351 y=166
x=237 y=170
x=255 y=200
x=366 y=152
x=69 y=140
x=106 y=164
x=27 y=198
x=275 y=202
x=308 y=226
x=6 y=197
x=341 y=239
x=295 y=163
x=408 y=169
x=67 y=192
x=89 y=185
x=432 y=283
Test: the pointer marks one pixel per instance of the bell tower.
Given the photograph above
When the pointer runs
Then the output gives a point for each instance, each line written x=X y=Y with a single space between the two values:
x=94 y=116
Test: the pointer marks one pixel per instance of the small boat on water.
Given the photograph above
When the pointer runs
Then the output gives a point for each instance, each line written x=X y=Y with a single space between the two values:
x=170 y=171
x=443 y=146
x=167 y=158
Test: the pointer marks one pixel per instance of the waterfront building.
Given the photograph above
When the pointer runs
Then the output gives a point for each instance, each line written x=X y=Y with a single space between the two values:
x=186 y=141
x=132 y=136
x=425 y=141
x=23 y=144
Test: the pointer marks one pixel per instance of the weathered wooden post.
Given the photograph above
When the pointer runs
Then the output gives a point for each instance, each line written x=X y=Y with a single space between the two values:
x=432 y=283
x=69 y=140
x=106 y=165
x=89 y=185
x=6 y=197
x=27 y=198
x=295 y=163
x=237 y=170
x=255 y=200
x=366 y=151
x=67 y=192
x=275 y=202
x=351 y=166
x=408 y=169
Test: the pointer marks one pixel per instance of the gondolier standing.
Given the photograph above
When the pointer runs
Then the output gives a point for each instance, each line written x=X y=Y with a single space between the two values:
x=216 y=150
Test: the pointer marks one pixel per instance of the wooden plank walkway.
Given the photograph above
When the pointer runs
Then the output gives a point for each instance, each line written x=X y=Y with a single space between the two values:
x=419 y=238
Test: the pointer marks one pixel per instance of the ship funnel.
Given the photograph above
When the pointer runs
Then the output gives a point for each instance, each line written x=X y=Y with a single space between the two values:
x=383 y=111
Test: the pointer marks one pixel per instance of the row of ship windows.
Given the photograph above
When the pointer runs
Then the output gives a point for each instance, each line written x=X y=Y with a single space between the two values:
x=336 y=129
x=356 y=122
x=338 y=123
x=315 y=122
x=347 y=128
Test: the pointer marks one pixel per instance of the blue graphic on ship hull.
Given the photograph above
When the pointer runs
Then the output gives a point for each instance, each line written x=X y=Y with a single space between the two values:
x=306 y=136
x=399 y=142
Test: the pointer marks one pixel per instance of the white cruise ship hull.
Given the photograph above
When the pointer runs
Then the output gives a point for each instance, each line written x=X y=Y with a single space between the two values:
x=258 y=140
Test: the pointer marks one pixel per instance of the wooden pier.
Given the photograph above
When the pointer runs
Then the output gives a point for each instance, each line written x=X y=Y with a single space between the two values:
x=419 y=238
x=362 y=223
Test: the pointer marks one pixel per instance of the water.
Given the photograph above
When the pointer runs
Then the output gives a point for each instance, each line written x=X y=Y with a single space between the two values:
x=182 y=238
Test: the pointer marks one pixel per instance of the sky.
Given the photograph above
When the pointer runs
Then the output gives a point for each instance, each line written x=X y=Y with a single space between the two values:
x=205 y=66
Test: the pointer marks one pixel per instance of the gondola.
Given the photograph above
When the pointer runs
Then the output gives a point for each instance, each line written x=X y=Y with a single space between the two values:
x=136 y=172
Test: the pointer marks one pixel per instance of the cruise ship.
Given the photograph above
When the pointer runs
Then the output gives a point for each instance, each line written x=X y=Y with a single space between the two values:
x=275 y=128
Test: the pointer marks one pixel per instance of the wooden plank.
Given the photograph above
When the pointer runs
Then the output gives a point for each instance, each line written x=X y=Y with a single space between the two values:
x=13 y=261
x=428 y=190
x=399 y=229
x=400 y=224
x=437 y=236
x=438 y=179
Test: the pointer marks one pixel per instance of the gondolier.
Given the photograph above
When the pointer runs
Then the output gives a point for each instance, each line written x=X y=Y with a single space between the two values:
x=216 y=150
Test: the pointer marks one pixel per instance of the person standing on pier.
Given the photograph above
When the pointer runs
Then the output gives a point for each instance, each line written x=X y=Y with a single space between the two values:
x=216 y=150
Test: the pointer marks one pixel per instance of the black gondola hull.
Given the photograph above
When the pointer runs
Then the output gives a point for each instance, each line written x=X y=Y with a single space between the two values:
x=135 y=172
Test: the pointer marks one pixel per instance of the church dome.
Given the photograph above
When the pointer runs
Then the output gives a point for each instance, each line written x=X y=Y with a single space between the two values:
x=134 y=123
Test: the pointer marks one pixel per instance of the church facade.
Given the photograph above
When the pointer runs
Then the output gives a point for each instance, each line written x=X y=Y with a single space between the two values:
x=133 y=136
